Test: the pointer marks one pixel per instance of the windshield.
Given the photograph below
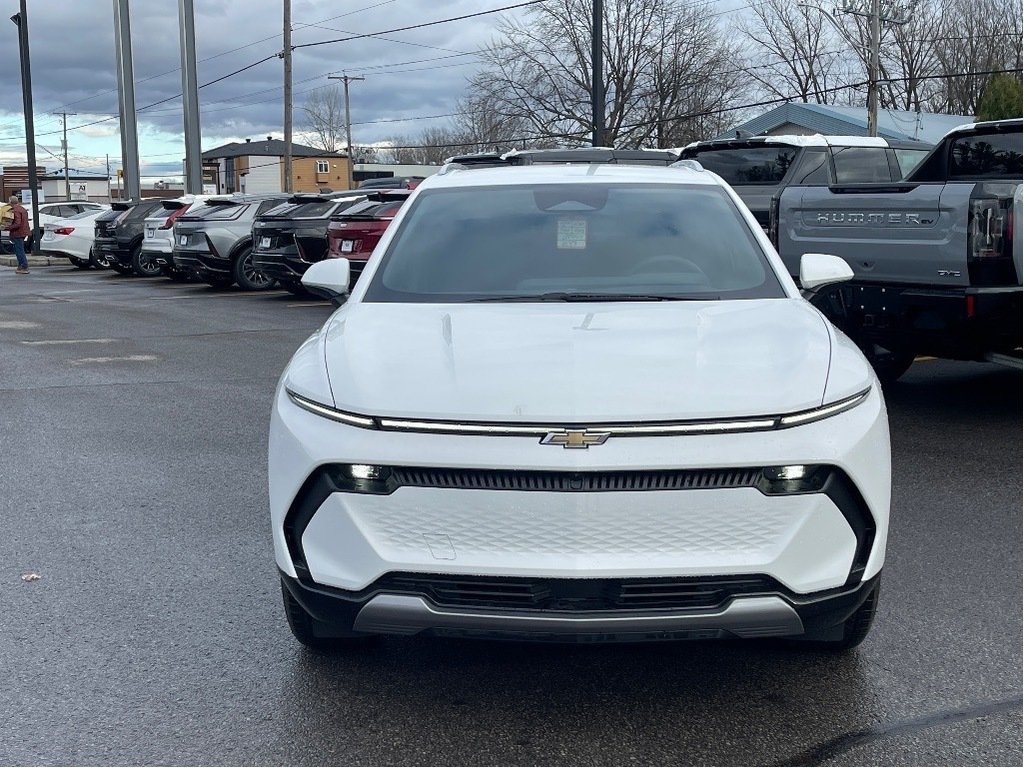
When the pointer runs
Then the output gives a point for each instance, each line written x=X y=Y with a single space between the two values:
x=748 y=165
x=573 y=242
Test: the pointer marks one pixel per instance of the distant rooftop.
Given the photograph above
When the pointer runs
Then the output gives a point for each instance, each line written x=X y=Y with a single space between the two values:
x=267 y=147
x=833 y=120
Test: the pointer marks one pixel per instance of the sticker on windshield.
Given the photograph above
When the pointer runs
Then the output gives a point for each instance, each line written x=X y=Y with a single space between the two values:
x=572 y=234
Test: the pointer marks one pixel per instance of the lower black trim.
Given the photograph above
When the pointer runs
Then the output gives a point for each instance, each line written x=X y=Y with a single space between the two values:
x=821 y=612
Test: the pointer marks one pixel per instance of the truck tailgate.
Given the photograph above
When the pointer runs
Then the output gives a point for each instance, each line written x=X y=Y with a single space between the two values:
x=893 y=233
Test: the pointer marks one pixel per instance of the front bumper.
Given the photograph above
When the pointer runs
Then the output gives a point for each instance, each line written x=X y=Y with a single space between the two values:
x=345 y=542
x=394 y=607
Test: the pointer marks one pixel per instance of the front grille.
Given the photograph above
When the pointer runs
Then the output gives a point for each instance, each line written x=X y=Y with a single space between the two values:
x=524 y=480
x=575 y=594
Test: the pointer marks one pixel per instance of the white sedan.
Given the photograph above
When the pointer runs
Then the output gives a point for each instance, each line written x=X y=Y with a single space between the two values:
x=578 y=402
x=72 y=238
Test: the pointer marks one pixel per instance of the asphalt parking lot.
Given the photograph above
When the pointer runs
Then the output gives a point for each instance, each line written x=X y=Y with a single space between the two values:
x=134 y=420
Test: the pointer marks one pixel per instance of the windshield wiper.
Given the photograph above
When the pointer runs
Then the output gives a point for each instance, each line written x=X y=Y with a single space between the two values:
x=582 y=297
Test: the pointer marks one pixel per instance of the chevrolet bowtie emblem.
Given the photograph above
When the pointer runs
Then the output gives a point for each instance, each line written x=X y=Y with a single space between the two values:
x=575 y=438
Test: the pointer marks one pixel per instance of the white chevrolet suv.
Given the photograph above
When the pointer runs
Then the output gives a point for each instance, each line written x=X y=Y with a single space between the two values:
x=579 y=402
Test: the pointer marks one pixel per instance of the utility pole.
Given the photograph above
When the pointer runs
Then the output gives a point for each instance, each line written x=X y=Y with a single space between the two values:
x=64 y=145
x=287 y=56
x=348 y=122
x=108 y=179
x=21 y=19
x=126 y=100
x=190 y=99
x=597 y=73
x=872 y=9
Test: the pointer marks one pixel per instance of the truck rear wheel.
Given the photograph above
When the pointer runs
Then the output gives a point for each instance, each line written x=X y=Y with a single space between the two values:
x=889 y=364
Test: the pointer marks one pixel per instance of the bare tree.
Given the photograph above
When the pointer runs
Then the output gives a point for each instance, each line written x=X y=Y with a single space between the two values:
x=325 y=118
x=793 y=51
x=661 y=59
x=977 y=36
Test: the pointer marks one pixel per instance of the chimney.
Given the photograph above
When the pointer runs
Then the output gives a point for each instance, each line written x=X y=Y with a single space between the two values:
x=270 y=138
x=248 y=140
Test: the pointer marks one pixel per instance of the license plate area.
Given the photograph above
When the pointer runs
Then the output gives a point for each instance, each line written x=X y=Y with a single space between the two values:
x=264 y=242
x=347 y=246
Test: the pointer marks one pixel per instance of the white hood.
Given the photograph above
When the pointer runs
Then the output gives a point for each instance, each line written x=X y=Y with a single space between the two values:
x=578 y=363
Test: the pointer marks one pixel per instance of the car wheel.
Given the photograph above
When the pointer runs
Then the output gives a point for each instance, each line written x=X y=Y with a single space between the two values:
x=247 y=276
x=853 y=630
x=80 y=263
x=294 y=287
x=889 y=364
x=315 y=634
x=143 y=264
x=98 y=260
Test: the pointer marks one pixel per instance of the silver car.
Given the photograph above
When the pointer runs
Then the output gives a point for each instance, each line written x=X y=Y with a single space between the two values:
x=215 y=241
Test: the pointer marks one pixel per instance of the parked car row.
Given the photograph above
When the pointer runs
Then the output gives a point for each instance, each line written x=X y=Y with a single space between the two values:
x=253 y=241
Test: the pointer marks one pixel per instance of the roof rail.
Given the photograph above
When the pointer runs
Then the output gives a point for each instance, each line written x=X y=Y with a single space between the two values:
x=693 y=165
x=580 y=155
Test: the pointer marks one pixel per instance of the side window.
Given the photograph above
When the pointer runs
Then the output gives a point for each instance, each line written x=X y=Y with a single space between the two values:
x=266 y=205
x=323 y=166
x=908 y=159
x=812 y=169
x=987 y=156
x=861 y=165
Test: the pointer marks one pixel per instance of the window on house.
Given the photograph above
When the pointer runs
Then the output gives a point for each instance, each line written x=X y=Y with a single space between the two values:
x=322 y=166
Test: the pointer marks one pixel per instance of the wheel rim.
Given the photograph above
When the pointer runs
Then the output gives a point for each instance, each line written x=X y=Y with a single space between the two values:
x=148 y=266
x=253 y=276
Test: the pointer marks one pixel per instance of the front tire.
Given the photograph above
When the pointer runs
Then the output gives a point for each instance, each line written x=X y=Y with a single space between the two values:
x=314 y=634
x=143 y=264
x=889 y=364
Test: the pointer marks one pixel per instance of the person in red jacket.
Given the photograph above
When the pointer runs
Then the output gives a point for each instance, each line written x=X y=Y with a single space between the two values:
x=19 y=231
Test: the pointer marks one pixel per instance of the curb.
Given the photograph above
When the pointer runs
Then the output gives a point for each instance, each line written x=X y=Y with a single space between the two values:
x=33 y=261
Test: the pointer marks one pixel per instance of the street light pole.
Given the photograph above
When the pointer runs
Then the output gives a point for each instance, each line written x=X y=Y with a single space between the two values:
x=348 y=122
x=64 y=144
x=190 y=98
x=287 y=56
x=21 y=19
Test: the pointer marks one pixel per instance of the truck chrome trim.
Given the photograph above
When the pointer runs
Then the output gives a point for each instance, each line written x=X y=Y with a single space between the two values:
x=767 y=616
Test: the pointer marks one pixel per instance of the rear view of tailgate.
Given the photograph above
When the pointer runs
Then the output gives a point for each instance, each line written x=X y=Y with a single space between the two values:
x=894 y=233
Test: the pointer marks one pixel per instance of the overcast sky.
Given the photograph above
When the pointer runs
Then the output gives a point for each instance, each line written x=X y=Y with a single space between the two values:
x=72 y=47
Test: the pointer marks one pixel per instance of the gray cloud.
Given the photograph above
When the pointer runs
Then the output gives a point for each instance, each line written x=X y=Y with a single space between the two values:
x=73 y=68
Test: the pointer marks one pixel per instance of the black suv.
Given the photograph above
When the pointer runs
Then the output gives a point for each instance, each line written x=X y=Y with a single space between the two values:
x=288 y=238
x=119 y=238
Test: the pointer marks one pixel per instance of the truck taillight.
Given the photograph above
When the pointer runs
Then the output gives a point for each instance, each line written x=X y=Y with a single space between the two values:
x=990 y=237
x=986 y=219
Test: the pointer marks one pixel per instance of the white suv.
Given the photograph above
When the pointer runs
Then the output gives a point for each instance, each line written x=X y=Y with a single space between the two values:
x=578 y=402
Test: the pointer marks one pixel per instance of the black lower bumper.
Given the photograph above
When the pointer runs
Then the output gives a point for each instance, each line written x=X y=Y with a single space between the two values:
x=957 y=323
x=113 y=251
x=286 y=267
x=821 y=614
x=203 y=263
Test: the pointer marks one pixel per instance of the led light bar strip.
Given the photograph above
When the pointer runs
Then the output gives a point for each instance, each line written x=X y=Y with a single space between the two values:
x=720 y=426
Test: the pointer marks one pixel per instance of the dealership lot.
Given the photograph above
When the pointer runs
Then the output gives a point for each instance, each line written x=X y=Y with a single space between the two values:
x=134 y=439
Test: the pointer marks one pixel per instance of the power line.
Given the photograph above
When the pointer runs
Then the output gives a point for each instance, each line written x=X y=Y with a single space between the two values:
x=422 y=25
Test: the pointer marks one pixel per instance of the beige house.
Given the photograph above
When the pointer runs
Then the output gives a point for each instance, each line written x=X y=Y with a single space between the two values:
x=258 y=166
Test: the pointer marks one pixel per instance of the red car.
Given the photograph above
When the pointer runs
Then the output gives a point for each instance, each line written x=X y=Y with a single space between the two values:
x=355 y=232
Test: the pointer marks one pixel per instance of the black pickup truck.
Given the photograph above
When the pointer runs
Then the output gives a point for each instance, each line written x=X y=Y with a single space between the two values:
x=936 y=257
